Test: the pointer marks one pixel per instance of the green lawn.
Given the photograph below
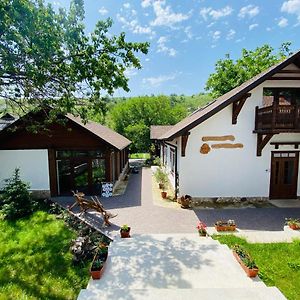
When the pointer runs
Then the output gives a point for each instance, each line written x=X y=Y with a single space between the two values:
x=140 y=155
x=35 y=262
x=279 y=263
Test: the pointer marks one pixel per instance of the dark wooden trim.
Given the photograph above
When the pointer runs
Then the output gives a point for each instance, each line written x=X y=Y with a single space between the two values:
x=289 y=72
x=52 y=172
x=237 y=107
x=285 y=78
x=262 y=142
x=277 y=144
x=184 y=140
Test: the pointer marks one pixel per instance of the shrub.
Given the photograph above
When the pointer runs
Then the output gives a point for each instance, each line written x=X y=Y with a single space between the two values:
x=16 y=201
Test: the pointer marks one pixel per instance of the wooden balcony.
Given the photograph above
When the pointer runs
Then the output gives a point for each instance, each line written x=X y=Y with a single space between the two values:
x=277 y=118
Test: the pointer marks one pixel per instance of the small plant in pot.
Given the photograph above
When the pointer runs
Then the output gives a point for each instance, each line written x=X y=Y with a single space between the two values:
x=293 y=223
x=245 y=260
x=202 y=228
x=225 y=225
x=162 y=179
x=185 y=201
x=97 y=267
x=125 y=231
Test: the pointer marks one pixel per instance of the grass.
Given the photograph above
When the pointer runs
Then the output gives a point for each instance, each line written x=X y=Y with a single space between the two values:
x=140 y=155
x=279 y=263
x=35 y=262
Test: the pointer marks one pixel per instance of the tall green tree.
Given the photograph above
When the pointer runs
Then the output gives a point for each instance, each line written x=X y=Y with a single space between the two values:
x=134 y=117
x=230 y=74
x=48 y=59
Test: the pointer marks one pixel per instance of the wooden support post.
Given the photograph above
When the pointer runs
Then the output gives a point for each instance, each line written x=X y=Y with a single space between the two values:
x=262 y=142
x=184 y=140
x=274 y=113
x=52 y=172
x=237 y=107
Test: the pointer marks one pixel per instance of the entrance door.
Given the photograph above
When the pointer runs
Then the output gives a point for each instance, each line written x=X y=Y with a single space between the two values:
x=284 y=175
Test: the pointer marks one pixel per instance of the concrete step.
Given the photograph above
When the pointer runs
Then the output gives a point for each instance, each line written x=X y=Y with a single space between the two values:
x=180 y=269
x=258 y=293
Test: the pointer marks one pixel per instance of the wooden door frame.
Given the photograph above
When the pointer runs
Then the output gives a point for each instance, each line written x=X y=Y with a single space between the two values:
x=296 y=174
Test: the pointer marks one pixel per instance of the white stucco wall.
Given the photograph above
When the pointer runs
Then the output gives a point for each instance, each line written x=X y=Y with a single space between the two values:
x=231 y=172
x=33 y=166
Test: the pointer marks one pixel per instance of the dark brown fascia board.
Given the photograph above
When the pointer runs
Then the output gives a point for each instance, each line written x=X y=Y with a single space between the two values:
x=235 y=97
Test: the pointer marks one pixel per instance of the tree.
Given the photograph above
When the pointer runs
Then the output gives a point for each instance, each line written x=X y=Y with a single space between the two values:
x=230 y=74
x=134 y=117
x=48 y=59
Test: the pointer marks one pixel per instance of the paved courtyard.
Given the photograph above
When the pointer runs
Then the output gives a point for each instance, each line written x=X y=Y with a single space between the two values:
x=137 y=209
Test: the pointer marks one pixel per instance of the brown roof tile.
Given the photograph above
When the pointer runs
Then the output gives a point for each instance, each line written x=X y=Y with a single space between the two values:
x=156 y=131
x=108 y=135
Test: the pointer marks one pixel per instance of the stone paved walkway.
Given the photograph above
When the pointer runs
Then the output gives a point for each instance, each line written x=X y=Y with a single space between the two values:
x=137 y=209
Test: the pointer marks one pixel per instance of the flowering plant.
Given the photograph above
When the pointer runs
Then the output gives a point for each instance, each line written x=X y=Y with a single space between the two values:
x=202 y=228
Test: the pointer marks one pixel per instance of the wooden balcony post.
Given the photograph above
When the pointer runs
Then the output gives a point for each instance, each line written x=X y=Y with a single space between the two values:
x=274 y=113
x=296 y=118
x=256 y=117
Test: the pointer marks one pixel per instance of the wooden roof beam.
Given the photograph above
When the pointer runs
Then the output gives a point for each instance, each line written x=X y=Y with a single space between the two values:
x=184 y=140
x=262 y=141
x=237 y=107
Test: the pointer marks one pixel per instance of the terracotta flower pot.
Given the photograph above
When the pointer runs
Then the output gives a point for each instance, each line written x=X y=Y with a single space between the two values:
x=294 y=226
x=225 y=227
x=250 y=272
x=164 y=195
x=125 y=233
x=97 y=273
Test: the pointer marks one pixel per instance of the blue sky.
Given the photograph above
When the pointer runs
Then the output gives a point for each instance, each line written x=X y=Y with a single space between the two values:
x=187 y=37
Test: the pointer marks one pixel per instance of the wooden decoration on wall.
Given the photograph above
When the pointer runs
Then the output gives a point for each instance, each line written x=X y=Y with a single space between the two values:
x=204 y=148
x=220 y=138
x=227 y=146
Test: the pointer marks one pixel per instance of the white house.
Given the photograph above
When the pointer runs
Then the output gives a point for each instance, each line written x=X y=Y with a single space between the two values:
x=243 y=144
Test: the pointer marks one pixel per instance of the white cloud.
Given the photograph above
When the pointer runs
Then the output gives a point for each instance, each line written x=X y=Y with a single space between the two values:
x=134 y=26
x=161 y=47
x=230 y=35
x=216 y=35
x=146 y=3
x=165 y=16
x=248 y=11
x=126 y=5
x=252 y=26
x=283 y=22
x=215 y=14
x=291 y=7
x=188 y=32
x=157 y=81
x=103 y=11
x=130 y=72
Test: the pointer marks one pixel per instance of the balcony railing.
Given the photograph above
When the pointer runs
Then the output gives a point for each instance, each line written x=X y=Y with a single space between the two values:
x=277 y=118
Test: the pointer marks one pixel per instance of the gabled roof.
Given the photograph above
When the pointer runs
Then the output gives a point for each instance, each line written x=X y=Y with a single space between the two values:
x=215 y=106
x=100 y=131
x=156 y=131
x=108 y=135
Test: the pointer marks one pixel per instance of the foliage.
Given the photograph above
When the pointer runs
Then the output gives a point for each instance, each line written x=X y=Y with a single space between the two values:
x=97 y=265
x=201 y=227
x=139 y=155
x=157 y=161
x=48 y=58
x=35 y=262
x=134 y=117
x=291 y=221
x=244 y=256
x=225 y=223
x=230 y=74
x=277 y=263
x=161 y=177
x=125 y=227
x=16 y=199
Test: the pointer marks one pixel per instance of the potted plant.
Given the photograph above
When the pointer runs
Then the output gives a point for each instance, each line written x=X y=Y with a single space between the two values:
x=202 y=228
x=225 y=225
x=97 y=267
x=293 y=223
x=125 y=231
x=185 y=201
x=162 y=179
x=245 y=260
